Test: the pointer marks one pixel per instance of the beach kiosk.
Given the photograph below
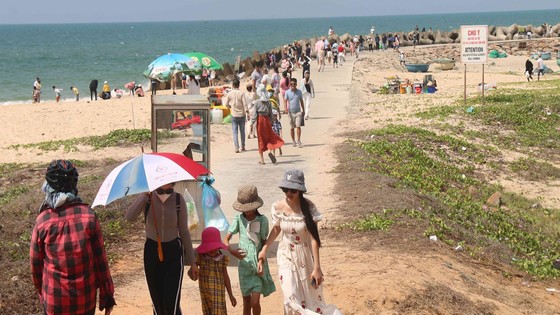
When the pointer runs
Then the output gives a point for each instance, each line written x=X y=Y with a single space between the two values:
x=181 y=124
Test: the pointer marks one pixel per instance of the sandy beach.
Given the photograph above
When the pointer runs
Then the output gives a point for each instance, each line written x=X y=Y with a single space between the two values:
x=344 y=102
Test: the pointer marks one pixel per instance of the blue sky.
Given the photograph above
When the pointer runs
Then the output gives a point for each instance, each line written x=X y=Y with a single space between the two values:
x=66 y=11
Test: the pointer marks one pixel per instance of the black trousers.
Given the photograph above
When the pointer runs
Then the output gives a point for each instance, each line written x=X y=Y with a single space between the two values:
x=164 y=278
x=92 y=93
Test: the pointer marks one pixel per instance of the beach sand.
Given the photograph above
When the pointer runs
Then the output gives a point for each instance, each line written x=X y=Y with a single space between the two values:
x=358 y=282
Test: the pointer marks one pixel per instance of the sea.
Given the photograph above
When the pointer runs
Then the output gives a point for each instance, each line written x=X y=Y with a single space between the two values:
x=65 y=55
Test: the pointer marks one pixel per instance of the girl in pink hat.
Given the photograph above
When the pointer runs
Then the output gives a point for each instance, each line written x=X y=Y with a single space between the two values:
x=213 y=277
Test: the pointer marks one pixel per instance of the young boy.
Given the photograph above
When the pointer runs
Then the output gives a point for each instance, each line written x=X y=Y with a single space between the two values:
x=57 y=93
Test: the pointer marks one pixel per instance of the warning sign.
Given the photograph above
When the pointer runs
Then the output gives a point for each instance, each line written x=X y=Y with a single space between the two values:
x=474 y=44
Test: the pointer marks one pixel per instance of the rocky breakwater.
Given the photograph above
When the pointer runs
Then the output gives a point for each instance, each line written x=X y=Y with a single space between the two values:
x=514 y=33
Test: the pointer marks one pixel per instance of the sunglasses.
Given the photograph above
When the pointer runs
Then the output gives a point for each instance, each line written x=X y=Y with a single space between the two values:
x=161 y=191
x=290 y=190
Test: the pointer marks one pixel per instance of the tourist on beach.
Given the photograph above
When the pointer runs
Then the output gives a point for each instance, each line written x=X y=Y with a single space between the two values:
x=262 y=115
x=249 y=100
x=296 y=110
x=540 y=67
x=37 y=91
x=130 y=86
x=194 y=86
x=335 y=55
x=284 y=86
x=257 y=75
x=370 y=43
x=57 y=93
x=212 y=80
x=117 y=93
x=529 y=70
x=402 y=60
x=106 y=91
x=235 y=100
x=139 y=91
x=308 y=92
x=184 y=81
x=214 y=278
x=76 y=92
x=174 y=81
x=93 y=89
x=254 y=275
x=67 y=255
x=318 y=49
x=168 y=246
x=295 y=218
x=306 y=65
x=377 y=39
x=341 y=54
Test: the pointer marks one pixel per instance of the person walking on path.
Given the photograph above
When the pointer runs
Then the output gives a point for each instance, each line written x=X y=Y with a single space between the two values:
x=214 y=279
x=93 y=89
x=252 y=227
x=540 y=67
x=57 y=93
x=267 y=139
x=76 y=92
x=168 y=246
x=296 y=110
x=529 y=70
x=299 y=266
x=67 y=255
x=37 y=91
x=308 y=92
x=250 y=97
x=257 y=75
x=235 y=100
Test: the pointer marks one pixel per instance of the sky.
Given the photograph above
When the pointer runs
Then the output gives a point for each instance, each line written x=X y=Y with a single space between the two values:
x=101 y=11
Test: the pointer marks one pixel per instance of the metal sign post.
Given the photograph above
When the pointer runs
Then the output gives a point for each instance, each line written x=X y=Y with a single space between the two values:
x=474 y=50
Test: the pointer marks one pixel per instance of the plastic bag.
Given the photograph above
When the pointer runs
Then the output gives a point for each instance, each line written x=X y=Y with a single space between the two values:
x=213 y=214
x=192 y=214
x=227 y=119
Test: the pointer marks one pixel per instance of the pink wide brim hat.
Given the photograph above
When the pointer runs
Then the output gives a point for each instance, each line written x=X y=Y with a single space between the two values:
x=210 y=240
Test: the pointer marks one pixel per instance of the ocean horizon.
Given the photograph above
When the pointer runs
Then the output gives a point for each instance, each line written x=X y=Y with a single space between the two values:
x=65 y=55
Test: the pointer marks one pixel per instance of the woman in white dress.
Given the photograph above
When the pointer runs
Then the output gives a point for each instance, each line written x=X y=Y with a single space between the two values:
x=299 y=266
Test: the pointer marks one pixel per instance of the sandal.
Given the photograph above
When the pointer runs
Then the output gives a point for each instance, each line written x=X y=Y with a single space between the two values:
x=261 y=163
x=272 y=157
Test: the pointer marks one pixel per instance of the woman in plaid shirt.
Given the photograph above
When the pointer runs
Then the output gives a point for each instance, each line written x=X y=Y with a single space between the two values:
x=68 y=260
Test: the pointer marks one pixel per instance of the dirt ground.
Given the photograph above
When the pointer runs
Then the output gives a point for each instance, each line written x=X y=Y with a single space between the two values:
x=398 y=271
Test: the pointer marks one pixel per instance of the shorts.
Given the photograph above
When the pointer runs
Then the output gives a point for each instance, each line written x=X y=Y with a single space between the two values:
x=295 y=119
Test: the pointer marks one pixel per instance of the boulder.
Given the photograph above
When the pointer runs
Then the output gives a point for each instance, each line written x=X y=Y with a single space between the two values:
x=227 y=69
x=334 y=39
x=345 y=37
x=247 y=65
x=256 y=56
x=495 y=200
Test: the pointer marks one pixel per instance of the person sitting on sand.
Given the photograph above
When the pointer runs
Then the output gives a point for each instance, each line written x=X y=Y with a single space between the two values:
x=106 y=92
x=139 y=91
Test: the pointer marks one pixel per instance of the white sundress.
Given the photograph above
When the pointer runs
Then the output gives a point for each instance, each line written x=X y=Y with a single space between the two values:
x=295 y=265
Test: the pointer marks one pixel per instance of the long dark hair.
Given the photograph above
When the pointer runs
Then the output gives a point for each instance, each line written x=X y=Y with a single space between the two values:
x=309 y=223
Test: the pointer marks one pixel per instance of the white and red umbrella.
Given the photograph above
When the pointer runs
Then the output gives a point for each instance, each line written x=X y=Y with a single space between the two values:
x=146 y=173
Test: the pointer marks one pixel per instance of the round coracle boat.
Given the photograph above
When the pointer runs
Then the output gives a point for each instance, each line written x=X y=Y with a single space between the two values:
x=543 y=55
x=417 y=67
x=444 y=64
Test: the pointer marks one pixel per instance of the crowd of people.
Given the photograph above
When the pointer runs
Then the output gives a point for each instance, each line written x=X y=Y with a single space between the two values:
x=70 y=268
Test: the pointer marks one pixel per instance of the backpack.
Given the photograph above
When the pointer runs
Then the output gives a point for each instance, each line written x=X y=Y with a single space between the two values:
x=177 y=205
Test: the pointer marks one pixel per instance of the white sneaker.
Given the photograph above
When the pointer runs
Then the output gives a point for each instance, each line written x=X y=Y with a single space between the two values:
x=300 y=145
x=294 y=144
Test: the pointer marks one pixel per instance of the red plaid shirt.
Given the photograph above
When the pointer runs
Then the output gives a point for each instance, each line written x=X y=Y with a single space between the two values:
x=68 y=261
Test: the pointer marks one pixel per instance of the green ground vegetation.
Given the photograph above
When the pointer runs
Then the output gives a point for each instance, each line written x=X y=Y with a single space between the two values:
x=445 y=161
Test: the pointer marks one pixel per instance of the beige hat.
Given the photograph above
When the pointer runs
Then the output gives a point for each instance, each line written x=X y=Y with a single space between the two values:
x=247 y=199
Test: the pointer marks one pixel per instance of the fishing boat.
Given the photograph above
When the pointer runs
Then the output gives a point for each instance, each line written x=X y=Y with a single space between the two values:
x=417 y=67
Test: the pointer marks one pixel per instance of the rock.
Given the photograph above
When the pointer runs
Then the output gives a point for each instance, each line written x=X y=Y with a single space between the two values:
x=495 y=199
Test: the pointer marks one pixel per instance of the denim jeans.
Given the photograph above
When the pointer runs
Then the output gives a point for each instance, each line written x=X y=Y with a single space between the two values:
x=238 y=123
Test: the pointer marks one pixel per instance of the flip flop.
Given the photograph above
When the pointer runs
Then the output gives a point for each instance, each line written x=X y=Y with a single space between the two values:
x=272 y=157
x=261 y=163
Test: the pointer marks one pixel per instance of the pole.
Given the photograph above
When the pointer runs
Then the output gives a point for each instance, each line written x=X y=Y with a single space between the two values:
x=483 y=84
x=465 y=86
